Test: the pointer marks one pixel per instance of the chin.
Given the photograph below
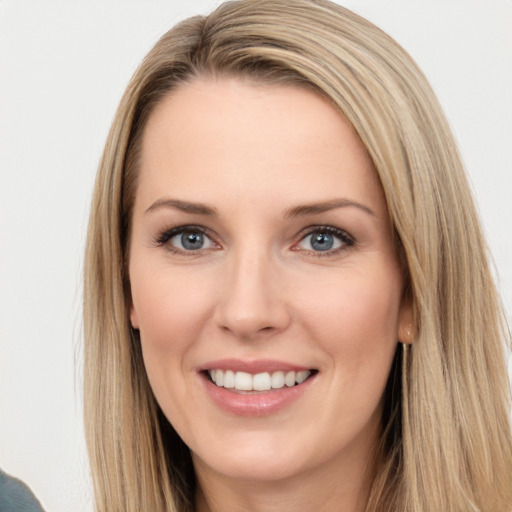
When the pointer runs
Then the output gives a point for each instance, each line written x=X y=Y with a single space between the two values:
x=256 y=468
x=261 y=456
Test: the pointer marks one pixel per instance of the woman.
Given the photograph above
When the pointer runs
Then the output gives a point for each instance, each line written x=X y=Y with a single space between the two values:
x=288 y=304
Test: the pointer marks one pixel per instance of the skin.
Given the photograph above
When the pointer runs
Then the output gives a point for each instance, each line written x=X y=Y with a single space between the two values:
x=258 y=289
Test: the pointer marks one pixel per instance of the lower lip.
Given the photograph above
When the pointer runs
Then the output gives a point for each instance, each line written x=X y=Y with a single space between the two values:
x=260 y=403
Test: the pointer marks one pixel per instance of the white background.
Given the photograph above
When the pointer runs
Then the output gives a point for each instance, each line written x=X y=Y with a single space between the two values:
x=63 y=67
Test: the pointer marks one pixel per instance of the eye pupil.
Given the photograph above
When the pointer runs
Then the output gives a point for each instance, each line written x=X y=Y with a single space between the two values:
x=321 y=241
x=192 y=240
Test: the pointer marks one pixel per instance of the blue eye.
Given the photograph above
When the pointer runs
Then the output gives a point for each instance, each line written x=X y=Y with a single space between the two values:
x=185 y=239
x=321 y=241
x=189 y=240
x=327 y=239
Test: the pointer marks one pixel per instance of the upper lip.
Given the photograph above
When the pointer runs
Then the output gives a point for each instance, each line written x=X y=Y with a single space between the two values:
x=253 y=366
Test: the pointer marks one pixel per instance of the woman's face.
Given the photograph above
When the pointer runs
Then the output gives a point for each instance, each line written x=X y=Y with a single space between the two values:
x=261 y=257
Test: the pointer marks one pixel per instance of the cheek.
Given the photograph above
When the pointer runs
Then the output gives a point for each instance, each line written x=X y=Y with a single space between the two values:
x=170 y=308
x=355 y=322
x=356 y=315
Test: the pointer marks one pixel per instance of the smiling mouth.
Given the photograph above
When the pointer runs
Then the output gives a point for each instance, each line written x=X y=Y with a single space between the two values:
x=265 y=381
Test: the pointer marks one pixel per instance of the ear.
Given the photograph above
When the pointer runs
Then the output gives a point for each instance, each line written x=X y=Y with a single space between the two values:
x=134 y=318
x=405 y=322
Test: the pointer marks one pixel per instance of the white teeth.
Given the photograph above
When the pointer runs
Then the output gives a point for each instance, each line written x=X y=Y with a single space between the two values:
x=302 y=376
x=243 y=381
x=277 y=381
x=289 y=379
x=261 y=382
x=229 y=379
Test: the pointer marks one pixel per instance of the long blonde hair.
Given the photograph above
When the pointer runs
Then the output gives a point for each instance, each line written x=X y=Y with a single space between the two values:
x=446 y=443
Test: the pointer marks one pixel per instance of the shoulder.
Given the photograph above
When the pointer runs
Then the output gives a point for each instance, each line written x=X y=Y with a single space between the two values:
x=15 y=496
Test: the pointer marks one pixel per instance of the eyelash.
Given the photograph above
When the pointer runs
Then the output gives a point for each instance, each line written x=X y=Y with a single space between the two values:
x=347 y=240
x=165 y=236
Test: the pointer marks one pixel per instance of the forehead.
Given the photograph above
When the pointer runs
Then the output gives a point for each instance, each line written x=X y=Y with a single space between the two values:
x=233 y=137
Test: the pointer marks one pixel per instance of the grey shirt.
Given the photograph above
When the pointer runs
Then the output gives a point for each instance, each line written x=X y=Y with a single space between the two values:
x=15 y=496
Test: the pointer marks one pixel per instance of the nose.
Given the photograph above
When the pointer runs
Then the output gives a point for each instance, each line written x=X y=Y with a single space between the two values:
x=252 y=299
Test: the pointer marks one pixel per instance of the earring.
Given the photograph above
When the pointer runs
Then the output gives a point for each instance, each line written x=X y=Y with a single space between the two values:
x=406 y=426
x=405 y=387
x=404 y=349
x=408 y=334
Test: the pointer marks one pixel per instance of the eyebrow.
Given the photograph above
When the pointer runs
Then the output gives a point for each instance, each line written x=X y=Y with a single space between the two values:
x=296 y=211
x=184 y=206
x=315 y=208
